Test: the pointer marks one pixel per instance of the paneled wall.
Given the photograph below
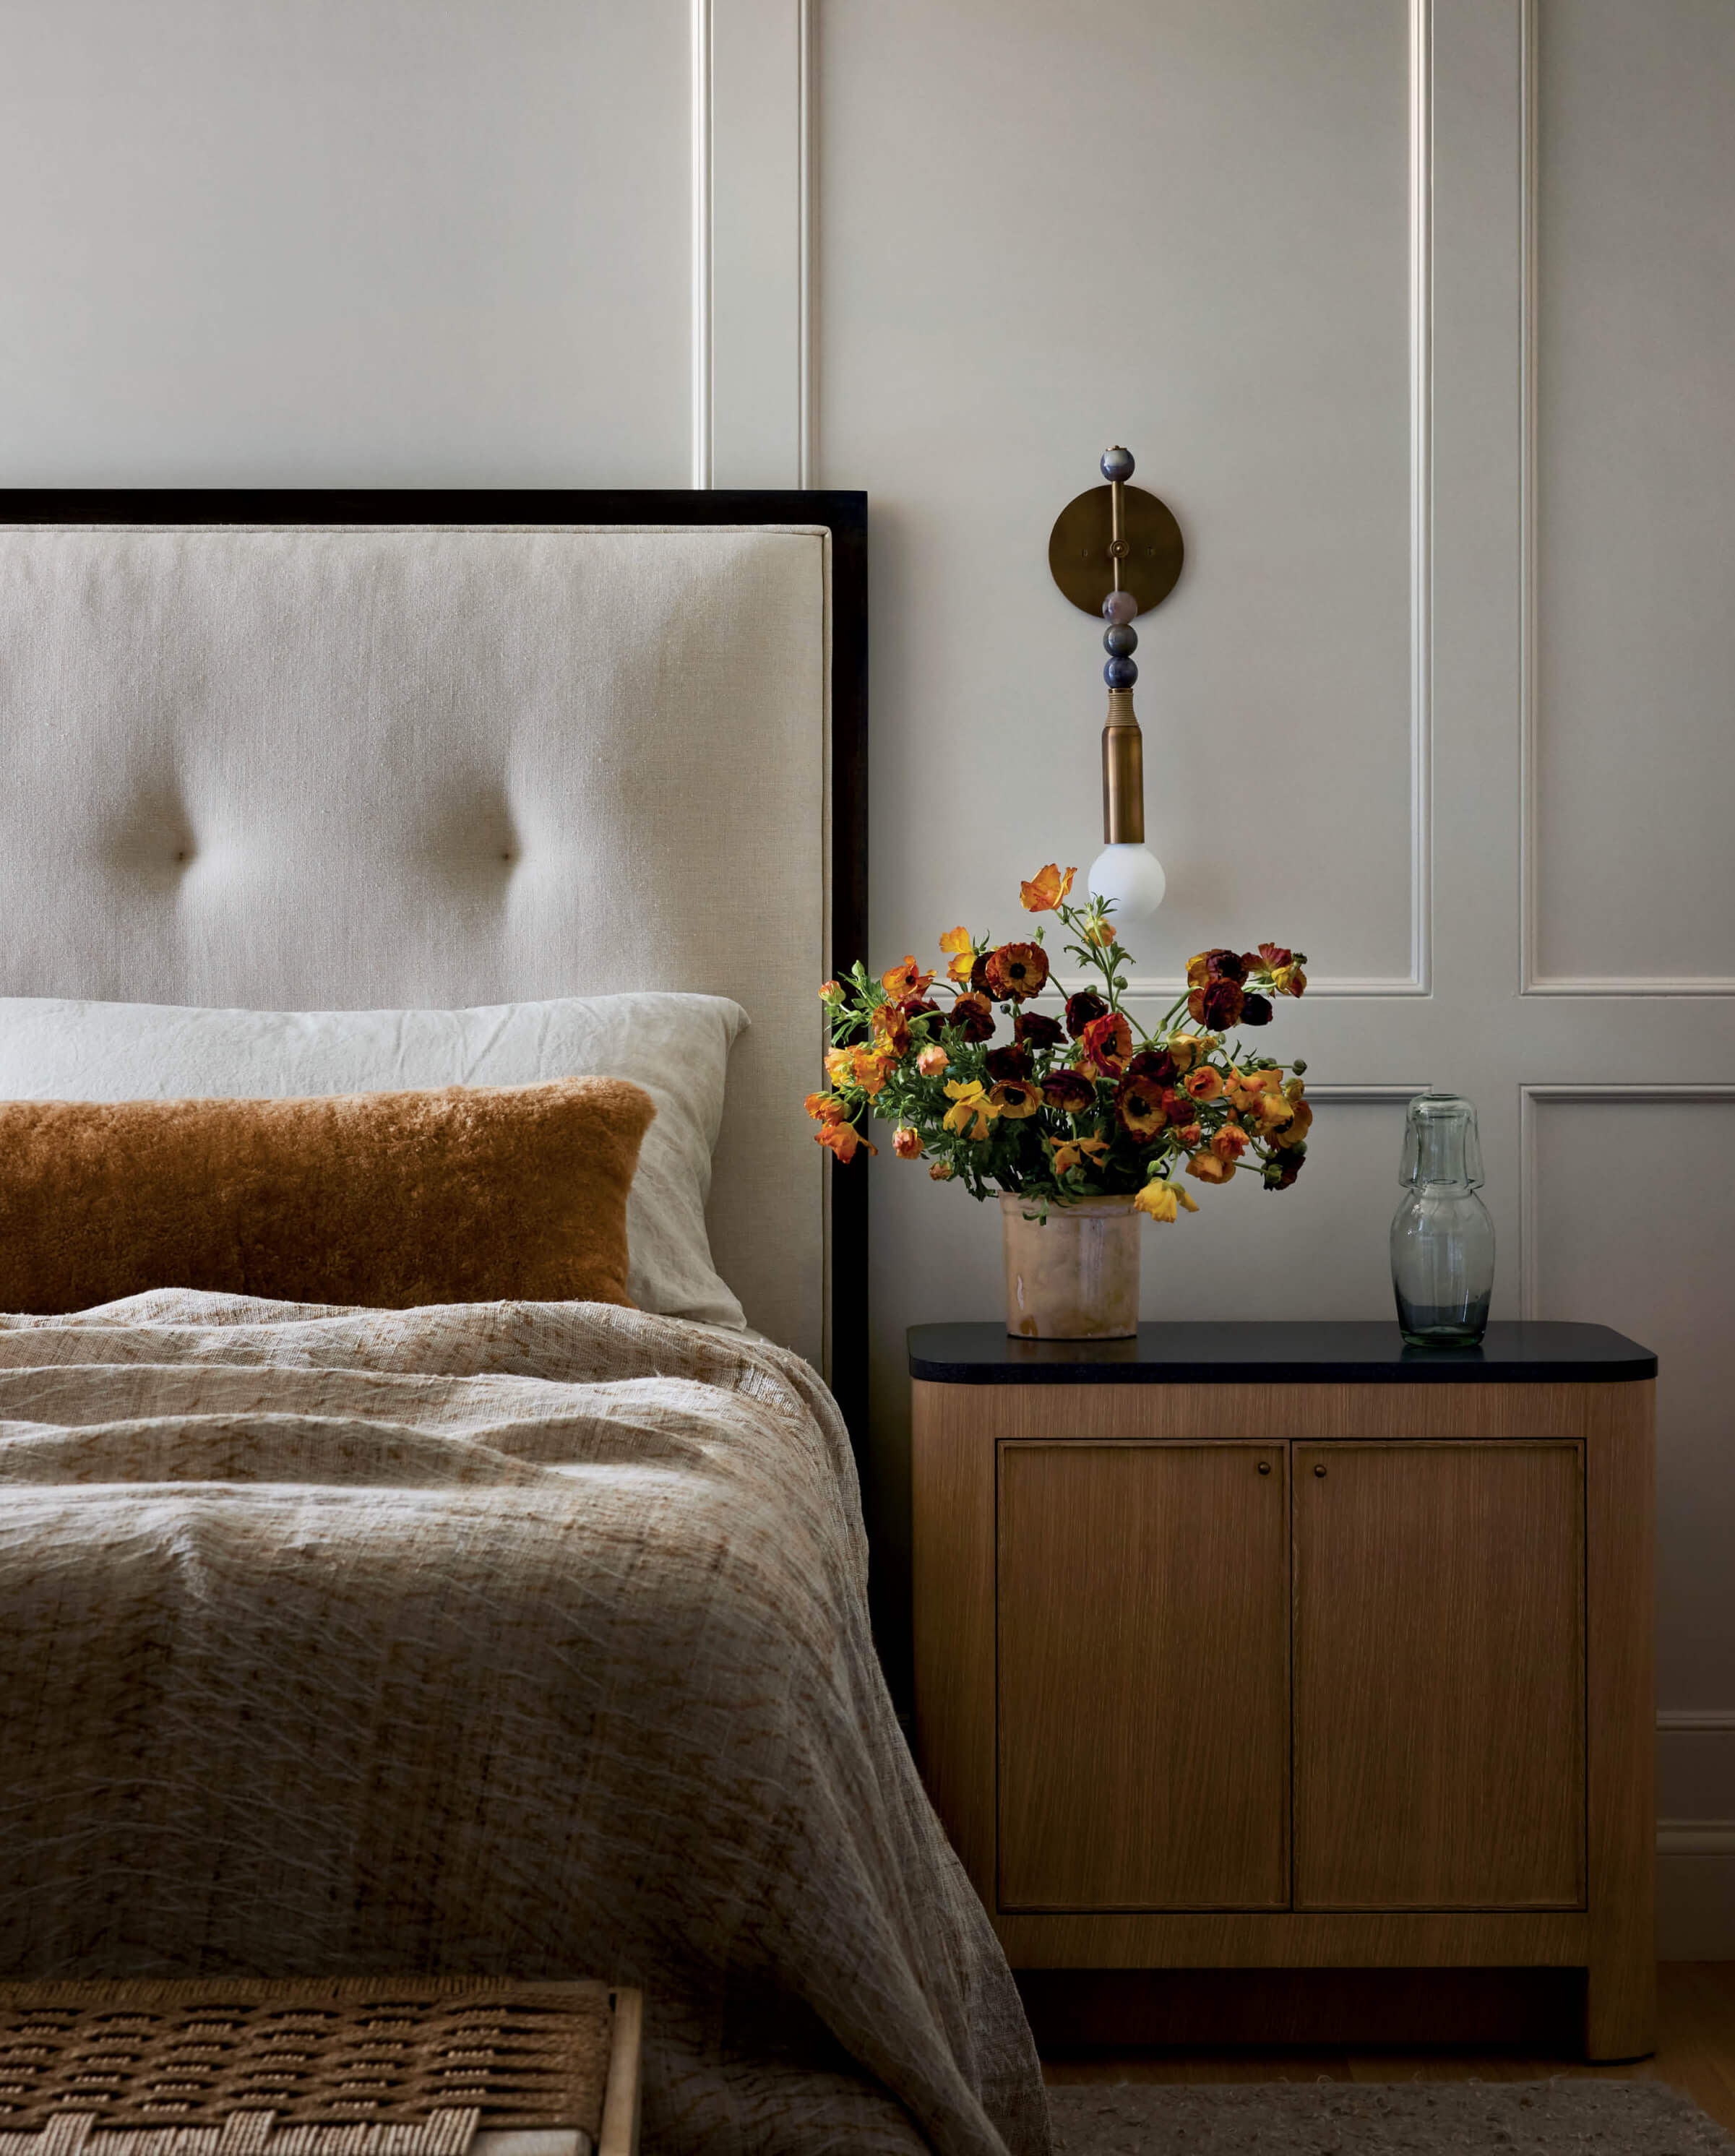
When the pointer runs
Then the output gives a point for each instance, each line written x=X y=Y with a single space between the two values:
x=1418 y=314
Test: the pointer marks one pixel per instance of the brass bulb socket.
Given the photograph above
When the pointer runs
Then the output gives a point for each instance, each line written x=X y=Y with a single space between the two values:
x=1123 y=773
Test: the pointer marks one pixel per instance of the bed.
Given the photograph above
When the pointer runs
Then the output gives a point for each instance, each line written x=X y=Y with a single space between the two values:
x=496 y=1635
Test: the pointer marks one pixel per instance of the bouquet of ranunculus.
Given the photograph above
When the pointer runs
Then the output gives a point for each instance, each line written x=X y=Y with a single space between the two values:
x=1092 y=1107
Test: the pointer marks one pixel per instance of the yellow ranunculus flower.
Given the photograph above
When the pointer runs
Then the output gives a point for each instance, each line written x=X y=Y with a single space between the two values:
x=1157 y=1201
x=1186 y=1048
x=972 y=1114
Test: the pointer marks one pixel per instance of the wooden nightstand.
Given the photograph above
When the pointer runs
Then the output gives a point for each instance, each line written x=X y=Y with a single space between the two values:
x=1283 y=1646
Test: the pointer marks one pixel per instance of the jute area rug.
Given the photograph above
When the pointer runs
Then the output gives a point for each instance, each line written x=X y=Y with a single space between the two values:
x=1562 y=2118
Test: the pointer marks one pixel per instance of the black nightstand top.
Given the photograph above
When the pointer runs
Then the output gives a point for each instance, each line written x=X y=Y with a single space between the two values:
x=1361 y=1353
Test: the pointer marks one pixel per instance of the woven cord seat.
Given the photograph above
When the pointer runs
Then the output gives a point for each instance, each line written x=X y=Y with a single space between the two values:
x=419 y=2067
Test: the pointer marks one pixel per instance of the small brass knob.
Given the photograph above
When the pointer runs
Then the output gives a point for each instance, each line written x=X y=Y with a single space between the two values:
x=1320 y=1471
x=1265 y=1466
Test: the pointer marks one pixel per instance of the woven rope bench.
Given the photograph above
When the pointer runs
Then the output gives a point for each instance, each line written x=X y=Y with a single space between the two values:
x=421 y=2066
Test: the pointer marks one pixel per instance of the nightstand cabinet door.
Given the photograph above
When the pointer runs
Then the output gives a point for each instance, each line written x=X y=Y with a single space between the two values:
x=1143 y=1606
x=1439 y=1676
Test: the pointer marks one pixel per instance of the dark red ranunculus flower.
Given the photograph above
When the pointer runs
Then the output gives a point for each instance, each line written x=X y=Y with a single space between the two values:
x=1180 y=1107
x=1282 y=1169
x=1269 y=957
x=1017 y=970
x=1069 y=1091
x=1156 y=1063
x=978 y=975
x=1081 y=1008
x=1004 y=1063
x=1035 y=1029
x=1256 y=1010
x=973 y=1015
x=1218 y=964
x=914 y=1007
x=1217 y=1004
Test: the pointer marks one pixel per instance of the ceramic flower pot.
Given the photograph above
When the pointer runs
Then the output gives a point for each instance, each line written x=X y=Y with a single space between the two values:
x=1073 y=1276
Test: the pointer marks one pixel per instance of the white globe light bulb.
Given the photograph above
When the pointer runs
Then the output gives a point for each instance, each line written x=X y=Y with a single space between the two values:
x=1132 y=877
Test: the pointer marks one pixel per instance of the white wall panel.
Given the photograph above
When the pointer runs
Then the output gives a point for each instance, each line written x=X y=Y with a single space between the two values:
x=1185 y=227
x=1633 y=1218
x=364 y=242
x=1634 y=875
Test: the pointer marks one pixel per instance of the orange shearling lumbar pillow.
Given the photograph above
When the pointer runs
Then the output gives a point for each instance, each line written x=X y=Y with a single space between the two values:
x=463 y=1195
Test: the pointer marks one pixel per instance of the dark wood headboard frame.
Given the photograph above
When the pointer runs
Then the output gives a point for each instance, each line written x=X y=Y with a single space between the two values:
x=844 y=514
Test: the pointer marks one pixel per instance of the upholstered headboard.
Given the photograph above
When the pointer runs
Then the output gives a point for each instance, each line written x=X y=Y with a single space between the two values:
x=315 y=751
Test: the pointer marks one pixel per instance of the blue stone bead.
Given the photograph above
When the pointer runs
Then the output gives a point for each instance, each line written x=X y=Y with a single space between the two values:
x=1122 y=639
x=1118 y=463
x=1120 y=673
x=1119 y=607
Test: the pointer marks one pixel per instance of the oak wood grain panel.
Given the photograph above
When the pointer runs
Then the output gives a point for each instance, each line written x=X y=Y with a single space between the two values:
x=953 y=1591
x=1253 y=1413
x=1439 y=1742
x=1143 y=1676
x=1620 y=1600
x=1280 y=1938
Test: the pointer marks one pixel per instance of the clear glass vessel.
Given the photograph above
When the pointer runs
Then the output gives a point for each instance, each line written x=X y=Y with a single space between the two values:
x=1442 y=1237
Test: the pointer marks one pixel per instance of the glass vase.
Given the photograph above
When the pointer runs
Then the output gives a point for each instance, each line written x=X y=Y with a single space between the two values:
x=1072 y=1270
x=1442 y=1237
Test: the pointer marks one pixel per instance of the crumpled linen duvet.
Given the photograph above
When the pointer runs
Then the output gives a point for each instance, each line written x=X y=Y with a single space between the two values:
x=525 y=1638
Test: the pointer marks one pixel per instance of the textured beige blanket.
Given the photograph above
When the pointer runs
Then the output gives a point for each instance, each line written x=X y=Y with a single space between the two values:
x=516 y=1638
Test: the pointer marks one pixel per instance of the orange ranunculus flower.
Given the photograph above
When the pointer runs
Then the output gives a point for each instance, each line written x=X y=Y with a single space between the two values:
x=1295 y=1131
x=1045 y=890
x=891 y=1030
x=1210 y=1168
x=1186 y=1048
x=1016 y=1098
x=1203 y=1084
x=1271 y=1112
x=956 y=946
x=932 y=1060
x=942 y=1171
x=869 y=1069
x=826 y=1108
x=1139 y=1109
x=839 y=1062
x=1289 y=980
x=907 y=1143
x=1106 y=1042
x=906 y=979
x=1017 y=970
x=1077 y=1152
x=1099 y=931
x=830 y=993
x=1245 y=1087
x=1229 y=1143
x=1190 y=1135
x=843 y=1139
x=972 y=1114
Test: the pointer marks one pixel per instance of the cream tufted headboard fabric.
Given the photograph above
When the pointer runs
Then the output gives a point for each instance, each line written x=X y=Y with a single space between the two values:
x=342 y=753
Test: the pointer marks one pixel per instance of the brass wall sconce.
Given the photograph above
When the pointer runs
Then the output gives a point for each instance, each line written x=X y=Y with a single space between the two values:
x=1116 y=552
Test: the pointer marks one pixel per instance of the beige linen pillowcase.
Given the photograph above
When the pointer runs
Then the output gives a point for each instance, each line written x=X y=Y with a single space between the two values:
x=392 y=1200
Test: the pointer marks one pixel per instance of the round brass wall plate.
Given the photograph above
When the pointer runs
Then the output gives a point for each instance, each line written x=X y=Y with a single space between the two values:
x=1079 y=559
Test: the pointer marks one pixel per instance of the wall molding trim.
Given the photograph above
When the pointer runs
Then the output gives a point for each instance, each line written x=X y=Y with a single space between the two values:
x=704 y=325
x=1717 y=1721
x=1531 y=982
x=1531 y=1098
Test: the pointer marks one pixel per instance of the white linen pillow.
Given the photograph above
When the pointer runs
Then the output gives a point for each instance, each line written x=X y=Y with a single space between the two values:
x=675 y=1046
